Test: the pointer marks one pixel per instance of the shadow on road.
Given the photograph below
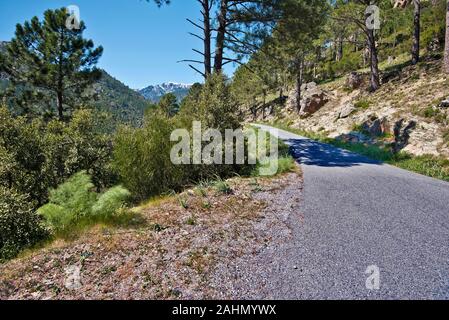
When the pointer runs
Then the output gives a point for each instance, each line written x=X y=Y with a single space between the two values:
x=314 y=153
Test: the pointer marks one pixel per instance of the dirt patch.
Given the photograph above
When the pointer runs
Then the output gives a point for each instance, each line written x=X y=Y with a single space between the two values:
x=187 y=249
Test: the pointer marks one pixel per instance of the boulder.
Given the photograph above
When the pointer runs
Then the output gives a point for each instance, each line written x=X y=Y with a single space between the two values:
x=374 y=126
x=444 y=104
x=313 y=98
x=308 y=86
x=354 y=80
x=402 y=130
x=354 y=137
x=346 y=111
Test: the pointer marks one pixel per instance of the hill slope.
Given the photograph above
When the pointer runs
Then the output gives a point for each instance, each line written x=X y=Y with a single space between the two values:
x=410 y=96
x=123 y=103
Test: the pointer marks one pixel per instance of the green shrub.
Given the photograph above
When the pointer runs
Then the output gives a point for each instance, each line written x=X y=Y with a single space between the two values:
x=142 y=158
x=222 y=186
x=430 y=112
x=286 y=164
x=76 y=203
x=20 y=227
x=110 y=202
x=70 y=202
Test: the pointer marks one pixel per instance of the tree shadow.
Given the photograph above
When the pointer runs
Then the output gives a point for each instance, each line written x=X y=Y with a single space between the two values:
x=313 y=153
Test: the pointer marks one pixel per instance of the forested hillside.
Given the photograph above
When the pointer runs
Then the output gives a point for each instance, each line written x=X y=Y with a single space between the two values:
x=124 y=104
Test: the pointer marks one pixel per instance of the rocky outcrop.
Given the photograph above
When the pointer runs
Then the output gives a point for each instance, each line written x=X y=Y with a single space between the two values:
x=375 y=126
x=313 y=98
x=402 y=131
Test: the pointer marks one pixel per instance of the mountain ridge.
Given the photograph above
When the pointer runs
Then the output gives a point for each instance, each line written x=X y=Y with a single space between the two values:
x=154 y=93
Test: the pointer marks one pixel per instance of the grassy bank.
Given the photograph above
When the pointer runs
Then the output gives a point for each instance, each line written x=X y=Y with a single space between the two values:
x=432 y=166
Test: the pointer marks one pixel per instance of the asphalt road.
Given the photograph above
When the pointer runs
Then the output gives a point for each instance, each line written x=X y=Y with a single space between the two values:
x=357 y=213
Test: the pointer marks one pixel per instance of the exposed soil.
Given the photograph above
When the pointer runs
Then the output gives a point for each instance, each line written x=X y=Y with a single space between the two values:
x=197 y=245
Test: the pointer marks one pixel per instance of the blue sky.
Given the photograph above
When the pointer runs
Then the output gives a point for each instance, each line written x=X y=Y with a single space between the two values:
x=142 y=43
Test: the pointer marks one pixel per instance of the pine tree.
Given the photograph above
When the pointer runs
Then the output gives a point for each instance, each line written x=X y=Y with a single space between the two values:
x=51 y=62
x=446 y=48
x=416 y=31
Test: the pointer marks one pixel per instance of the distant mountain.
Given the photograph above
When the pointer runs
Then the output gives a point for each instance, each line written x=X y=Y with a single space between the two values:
x=156 y=92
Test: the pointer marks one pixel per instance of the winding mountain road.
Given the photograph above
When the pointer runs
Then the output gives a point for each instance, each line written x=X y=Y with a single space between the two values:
x=357 y=213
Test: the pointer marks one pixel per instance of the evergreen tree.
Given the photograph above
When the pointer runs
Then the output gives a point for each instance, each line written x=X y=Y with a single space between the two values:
x=168 y=105
x=51 y=63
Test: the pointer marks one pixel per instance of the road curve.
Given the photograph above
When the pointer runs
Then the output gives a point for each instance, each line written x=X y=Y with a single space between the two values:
x=357 y=213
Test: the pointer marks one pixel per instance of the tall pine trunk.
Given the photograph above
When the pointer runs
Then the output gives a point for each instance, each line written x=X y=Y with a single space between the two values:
x=60 y=85
x=374 y=62
x=207 y=38
x=221 y=33
x=416 y=31
x=446 y=47
x=339 y=54
x=299 y=81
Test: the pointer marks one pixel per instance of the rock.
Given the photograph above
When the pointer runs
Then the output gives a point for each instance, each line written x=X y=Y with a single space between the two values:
x=346 y=111
x=444 y=104
x=354 y=137
x=308 y=86
x=313 y=98
x=374 y=126
x=354 y=80
x=402 y=132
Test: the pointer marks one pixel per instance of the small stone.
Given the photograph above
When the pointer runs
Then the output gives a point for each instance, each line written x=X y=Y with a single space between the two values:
x=347 y=110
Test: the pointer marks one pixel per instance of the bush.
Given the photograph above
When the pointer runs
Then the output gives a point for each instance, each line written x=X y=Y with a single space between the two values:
x=75 y=202
x=110 y=202
x=142 y=158
x=20 y=227
x=36 y=156
x=70 y=202
x=286 y=164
